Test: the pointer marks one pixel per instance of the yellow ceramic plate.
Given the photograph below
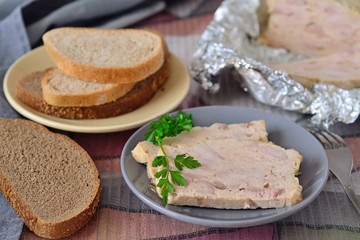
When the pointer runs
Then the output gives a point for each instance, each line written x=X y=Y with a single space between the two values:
x=170 y=97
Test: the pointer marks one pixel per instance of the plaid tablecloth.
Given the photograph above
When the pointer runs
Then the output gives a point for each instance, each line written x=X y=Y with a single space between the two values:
x=121 y=215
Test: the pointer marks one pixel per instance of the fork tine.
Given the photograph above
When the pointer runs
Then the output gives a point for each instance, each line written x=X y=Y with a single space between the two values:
x=322 y=139
x=339 y=139
x=336 y=149
x=336 y=140
x=328 y=139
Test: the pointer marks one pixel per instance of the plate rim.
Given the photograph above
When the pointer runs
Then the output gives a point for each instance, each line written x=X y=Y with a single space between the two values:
x=79 y=125
x=222 y=223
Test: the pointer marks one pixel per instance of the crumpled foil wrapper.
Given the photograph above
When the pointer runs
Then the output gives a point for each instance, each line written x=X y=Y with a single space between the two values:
x=228 y=44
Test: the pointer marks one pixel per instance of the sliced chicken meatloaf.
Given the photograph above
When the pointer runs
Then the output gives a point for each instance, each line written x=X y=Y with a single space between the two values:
x=254 y=130
x=235 y=173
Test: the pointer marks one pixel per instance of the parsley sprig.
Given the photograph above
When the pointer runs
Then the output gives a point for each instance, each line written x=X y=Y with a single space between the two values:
x=169 y=126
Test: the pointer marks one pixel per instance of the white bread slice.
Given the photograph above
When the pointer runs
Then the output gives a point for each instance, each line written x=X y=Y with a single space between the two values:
x=49 y=180
x=105 y=55
x=60 y=89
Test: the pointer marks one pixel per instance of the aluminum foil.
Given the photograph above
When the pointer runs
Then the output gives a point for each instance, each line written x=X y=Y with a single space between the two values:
x=229 y=44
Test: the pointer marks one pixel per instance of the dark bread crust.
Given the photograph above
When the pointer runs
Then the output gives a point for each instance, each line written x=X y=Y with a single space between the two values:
x=45 y=228
x=142 y=92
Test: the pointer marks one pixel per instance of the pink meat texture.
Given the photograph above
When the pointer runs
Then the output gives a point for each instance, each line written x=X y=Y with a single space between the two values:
x=239 y=168
x=327 y=31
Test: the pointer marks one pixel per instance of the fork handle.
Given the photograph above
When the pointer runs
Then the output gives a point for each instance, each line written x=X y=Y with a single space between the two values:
x=352 y=196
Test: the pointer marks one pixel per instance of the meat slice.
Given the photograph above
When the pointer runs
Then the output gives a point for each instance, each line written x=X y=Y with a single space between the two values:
x=312 y=28
x=254 y=130
x=326 y=31
x=340 y=69
x=234 y=173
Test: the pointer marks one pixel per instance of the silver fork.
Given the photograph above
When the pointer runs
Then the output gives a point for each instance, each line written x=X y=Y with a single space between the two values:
x=340 y=160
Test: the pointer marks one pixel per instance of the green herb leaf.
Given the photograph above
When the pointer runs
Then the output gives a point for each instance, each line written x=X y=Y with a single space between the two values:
x=162 y=173
x=159 y=161
x=187 y=161
x=177 y=178
x=161 y=182
x=167 y=189
x=169 y=126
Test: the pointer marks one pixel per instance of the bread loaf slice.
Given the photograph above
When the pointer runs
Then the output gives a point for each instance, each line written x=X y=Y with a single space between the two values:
x=60 y=89
x=29 y=91
x=105 y=55
x=49 y=180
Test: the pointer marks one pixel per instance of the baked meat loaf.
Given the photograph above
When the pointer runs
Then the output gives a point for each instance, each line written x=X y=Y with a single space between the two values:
x=238 y=171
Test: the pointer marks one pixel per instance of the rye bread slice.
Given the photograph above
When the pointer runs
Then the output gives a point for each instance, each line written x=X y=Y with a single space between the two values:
x=50 y=181
x=29 y=91
x=60 y=89
x=105 y=55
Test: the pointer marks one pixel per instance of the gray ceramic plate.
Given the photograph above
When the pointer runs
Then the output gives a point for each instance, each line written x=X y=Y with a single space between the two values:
x=285 y=133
